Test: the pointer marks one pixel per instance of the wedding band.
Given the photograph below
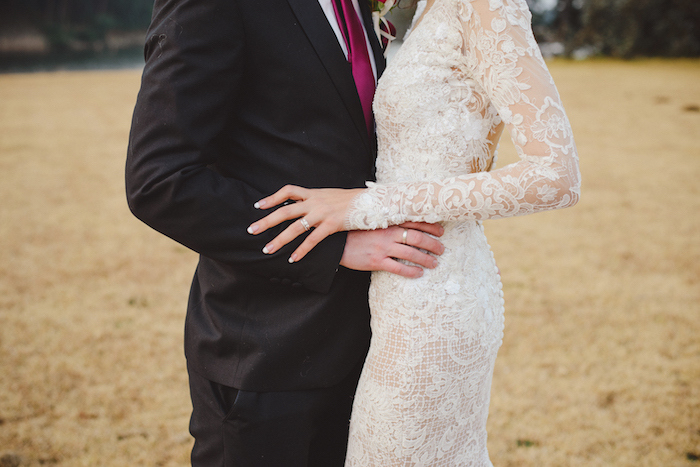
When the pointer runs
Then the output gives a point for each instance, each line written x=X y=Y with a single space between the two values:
x=305 y=224
x=404 y=237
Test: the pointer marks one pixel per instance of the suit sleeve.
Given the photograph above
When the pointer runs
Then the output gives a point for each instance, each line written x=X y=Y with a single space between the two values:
x=194 y=68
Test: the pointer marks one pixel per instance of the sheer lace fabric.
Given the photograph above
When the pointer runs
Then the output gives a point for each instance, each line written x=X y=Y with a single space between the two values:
x=469 y=69
x=473 y=66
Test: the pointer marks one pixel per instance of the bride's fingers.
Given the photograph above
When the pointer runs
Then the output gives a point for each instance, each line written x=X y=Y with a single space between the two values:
x=295 y=229
x=285 y=213
x=310 y=242
x=285 y=193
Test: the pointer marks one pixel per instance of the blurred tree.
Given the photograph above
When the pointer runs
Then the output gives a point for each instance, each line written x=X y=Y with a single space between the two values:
x=86 y=20
x=567 y=23
x=630 y=28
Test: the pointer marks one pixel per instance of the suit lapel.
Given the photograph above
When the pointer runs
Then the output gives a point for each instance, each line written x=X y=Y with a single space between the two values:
x=315 y=25
x=377 y=48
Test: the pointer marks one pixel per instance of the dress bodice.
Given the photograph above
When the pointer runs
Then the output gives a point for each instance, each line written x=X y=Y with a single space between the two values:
x=429 y=106
x=468 y=69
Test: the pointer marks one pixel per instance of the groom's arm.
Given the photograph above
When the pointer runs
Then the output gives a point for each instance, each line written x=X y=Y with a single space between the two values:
x=195 y=64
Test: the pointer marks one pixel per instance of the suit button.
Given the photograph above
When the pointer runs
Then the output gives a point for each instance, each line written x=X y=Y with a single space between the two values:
x=275 y=280
x=286 y=281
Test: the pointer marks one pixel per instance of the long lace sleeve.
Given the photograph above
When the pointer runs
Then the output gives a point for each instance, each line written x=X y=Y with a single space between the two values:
x=500 y=57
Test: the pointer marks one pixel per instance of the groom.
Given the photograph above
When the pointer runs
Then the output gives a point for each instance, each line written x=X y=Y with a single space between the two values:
x=238 y=98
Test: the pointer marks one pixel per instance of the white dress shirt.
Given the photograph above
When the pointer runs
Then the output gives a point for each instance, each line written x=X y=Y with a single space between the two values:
x=327 y=7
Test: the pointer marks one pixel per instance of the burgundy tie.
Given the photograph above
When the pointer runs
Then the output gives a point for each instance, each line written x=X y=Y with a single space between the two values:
x=358 y=56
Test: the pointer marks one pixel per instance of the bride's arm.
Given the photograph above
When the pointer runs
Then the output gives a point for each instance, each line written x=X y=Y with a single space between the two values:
x=501 y=54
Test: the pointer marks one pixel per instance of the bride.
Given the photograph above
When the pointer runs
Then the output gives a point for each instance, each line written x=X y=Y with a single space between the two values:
x=468 y=69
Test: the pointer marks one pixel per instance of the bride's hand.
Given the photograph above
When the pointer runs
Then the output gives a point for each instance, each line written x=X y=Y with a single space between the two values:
x=323 y=209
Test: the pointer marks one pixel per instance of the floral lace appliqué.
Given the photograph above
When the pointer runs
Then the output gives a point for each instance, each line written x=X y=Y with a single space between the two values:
x=468 y=70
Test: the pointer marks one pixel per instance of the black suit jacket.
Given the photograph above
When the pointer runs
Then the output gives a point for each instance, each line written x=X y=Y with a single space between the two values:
x=238 y=98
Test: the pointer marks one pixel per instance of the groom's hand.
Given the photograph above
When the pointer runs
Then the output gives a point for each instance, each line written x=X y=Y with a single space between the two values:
x=378 y=250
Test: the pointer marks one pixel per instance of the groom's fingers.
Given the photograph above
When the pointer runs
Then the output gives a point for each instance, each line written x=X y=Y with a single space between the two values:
x=413 y=255
x=433 y=229
x=378 y=250
x=394 y=267
x=418 y=239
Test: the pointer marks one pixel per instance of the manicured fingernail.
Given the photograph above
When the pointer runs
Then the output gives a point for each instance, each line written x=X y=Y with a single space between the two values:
x=420 y=274
x=292 y=258
x=252 y=229
x=435 y=263
x=268 y=249
x=259 y=204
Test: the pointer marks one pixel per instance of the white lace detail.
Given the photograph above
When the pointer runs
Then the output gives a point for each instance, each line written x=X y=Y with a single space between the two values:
x=471 y=66
x=468 y=69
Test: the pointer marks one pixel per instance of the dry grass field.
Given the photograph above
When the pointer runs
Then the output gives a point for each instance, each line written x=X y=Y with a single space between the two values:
x=600 y=364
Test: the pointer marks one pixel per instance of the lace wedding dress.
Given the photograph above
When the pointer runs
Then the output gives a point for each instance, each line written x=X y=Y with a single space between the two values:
x=468 y=69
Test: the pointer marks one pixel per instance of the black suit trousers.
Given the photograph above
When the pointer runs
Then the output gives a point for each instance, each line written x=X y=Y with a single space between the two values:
x=236 y=428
